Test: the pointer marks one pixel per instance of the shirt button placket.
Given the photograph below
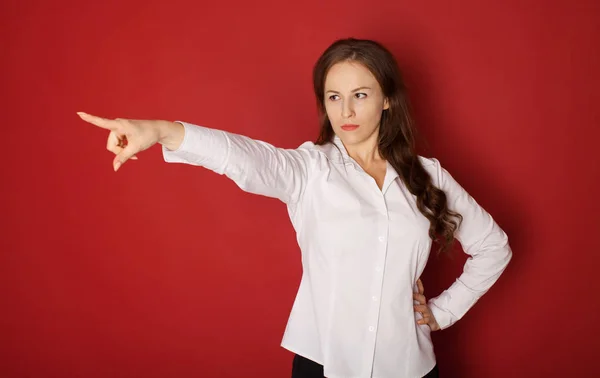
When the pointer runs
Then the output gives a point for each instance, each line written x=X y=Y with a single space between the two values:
x=377 y=287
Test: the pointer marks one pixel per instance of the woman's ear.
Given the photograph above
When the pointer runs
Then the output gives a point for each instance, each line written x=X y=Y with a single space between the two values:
x=386 y=104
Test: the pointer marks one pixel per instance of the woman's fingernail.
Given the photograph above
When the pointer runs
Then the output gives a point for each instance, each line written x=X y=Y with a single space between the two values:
x=117 y=165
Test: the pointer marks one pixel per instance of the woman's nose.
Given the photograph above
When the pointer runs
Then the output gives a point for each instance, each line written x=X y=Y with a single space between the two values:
x=347 y=109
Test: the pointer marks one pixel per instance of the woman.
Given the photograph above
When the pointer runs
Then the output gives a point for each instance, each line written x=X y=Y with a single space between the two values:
x=366 y=209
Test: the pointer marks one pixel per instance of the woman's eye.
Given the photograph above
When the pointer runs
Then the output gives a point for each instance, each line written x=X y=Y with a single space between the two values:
x=358 y=95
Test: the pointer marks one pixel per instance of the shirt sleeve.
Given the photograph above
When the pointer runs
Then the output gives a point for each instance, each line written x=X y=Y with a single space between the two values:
x=255 y=166
x=485 y=243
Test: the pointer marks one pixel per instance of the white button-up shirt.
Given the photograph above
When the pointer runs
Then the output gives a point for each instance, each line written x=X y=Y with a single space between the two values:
x=363 y=250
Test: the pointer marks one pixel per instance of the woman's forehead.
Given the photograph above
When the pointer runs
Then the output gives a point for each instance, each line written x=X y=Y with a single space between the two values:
x=348 y=76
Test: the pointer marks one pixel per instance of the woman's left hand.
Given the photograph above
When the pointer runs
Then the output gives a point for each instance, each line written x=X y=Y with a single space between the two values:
x=424 y=309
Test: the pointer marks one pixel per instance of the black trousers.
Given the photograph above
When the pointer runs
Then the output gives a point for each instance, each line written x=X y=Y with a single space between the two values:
x=302 y=367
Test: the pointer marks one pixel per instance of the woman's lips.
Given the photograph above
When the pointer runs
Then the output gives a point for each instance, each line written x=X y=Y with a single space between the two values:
x=349 y=127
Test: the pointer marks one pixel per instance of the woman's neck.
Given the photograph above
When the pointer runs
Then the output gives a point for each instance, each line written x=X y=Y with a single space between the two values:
x=366 y=153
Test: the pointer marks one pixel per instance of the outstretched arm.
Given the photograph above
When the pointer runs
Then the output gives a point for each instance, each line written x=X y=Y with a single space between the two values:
x=255 y=166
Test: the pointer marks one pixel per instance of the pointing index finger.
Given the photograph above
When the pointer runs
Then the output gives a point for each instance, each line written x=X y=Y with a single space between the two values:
x=98 y=121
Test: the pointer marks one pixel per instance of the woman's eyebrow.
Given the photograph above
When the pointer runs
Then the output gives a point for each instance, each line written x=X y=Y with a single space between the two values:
x=354 y=90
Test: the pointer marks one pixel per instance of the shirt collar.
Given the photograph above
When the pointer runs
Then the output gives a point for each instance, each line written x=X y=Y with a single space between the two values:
x=390 y=173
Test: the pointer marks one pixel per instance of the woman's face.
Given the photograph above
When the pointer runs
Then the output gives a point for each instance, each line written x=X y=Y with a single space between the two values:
x=353 y=102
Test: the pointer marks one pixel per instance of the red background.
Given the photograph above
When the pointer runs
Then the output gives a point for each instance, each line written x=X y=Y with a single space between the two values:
x=169 y=270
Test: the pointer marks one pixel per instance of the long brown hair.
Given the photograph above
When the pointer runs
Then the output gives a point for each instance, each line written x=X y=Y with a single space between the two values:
x=396 y=130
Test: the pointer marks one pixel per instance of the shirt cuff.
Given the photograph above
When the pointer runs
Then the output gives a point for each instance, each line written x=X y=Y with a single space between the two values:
x=452 y=304
x=200 y=146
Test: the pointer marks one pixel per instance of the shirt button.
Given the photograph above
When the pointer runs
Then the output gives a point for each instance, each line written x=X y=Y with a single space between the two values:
x=371 y=328
x=378 y=269
x=374 y=298
x=381 y=238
